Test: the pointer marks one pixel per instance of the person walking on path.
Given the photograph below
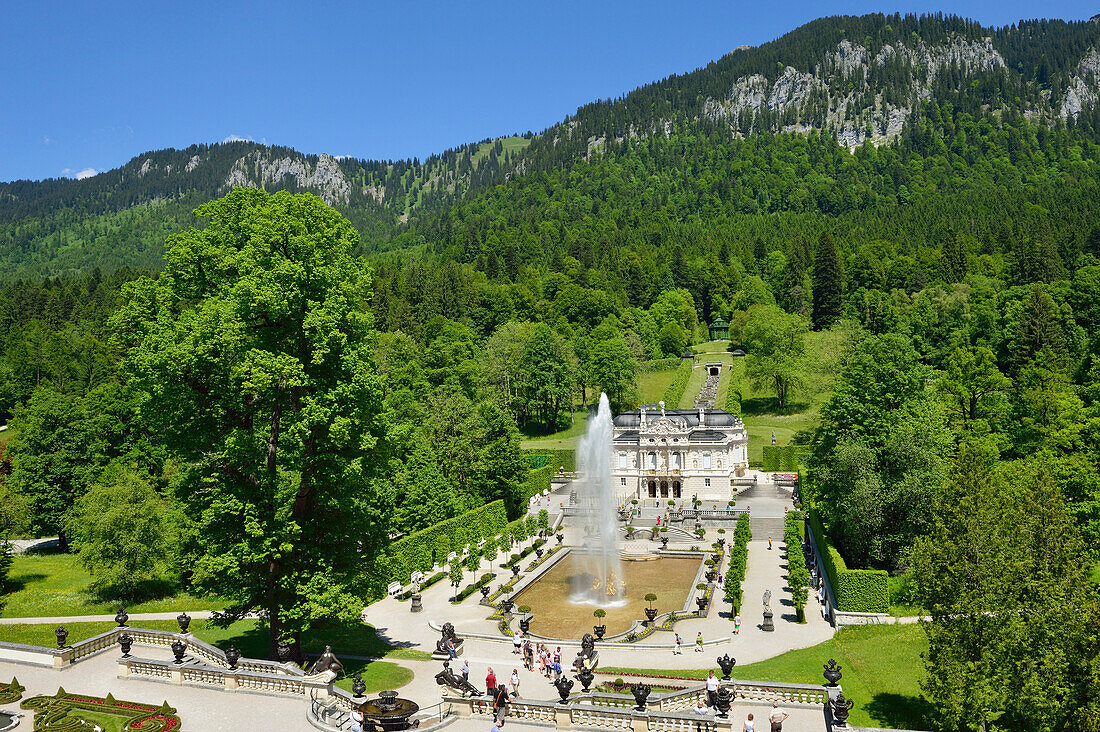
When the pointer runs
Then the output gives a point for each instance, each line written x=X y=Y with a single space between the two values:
x=712 y=690
x=490 y=682
x=699 y=642
x=769 y=543
x=514 y=681
x=776 y=717
x=677 y=648
x=750 y=726
x=517 y=641
x=465 y=669
x=737 y=624
x=451 y=649
x=500 y=703
x=498 y=726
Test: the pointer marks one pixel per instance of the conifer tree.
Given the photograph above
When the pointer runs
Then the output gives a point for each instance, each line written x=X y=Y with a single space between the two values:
x=826 y=283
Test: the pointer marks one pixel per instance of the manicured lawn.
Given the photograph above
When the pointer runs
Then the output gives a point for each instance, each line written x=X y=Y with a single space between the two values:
x=377 y=675
x=53 y=583
x=652 y=385
x=248 y=635
x=881 y=667
x=565 y=439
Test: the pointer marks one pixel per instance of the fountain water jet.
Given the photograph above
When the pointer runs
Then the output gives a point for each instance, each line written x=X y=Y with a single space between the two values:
x=600 y=581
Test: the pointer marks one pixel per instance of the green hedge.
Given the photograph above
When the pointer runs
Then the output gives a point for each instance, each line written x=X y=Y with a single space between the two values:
x=798 y=577
x=555 y=459
x=660 y=364
x=536 y=482
x=856 y=590
x=420 y=550
x=783 y=458
x=675 y=391
x=739 y=559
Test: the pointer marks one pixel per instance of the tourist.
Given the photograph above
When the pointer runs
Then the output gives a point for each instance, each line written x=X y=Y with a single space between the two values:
x=712 y=690
x=451 y=648
x=500 y=703
x=699 y=642
x=514 y=681
x=557 y=655
x=776 y=717
x=465 y=669
x=357 y=719
x=701 y=710
x=517 y=641
x=557 y=670
x=490 y=682
x=769 y=543
x=498 y=725
x=737 y=624
x=677 y=648
x=750 y=726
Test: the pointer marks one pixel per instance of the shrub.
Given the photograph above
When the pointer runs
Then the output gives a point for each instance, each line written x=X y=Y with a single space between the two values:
x=739 y=556
x=524 y=609
x=599 y=613
x=544 y=519
x=537 y=481
x=650 y=597
x=798 y=577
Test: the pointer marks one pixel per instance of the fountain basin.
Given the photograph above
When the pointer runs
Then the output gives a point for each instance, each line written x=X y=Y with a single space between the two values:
x=389 y=711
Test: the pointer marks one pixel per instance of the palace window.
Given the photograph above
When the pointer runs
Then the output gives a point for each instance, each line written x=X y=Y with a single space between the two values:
x=622 y=459
x=622 y=482
x=706 y=482
x=706 y=462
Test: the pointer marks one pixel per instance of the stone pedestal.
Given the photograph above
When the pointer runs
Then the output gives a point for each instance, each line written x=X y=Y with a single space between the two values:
x=444 y=656
x=414 y=603
x=563 y=718
x=768 y=624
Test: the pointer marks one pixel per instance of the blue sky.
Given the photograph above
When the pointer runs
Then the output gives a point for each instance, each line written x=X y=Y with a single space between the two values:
x=86 y=86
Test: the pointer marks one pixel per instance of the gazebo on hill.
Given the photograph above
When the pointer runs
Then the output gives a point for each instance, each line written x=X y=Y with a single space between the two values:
x=719 y=330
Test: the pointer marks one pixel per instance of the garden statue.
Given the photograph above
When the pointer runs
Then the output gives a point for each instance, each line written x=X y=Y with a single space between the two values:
x=448 y=634
x=327 y=662
x=841 y=707
x=184 y=621
x=586 y=677
x=767 y=600
x=589 y=657
x=768 y=624
x=506 y=606
x=121 y=617
x=358 y=686
x=61 y=634
x=640 y=692
x=525 y=623
x=832 y=672
x=723 y=701
x=178 y=649
x=447 y=678
x=232 y=655
x=727 y=664
x=564 y=685
x=125 y=642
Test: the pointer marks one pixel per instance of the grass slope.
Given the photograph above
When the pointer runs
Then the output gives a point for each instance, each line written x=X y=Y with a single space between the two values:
x=881 y=668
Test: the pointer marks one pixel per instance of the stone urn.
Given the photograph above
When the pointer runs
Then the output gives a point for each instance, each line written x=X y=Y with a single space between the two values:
x=515 y=570
x=599 y=630
x=125 y=642
x=415 y=603
x=564 y=686
x=721 y=541
x=701 y=602
x=641 y=693
x=841 y=708
x=585 y=675
x=525 y=623
x=538 y=553
x=726 y=664
x=232 y=655
x=717 y=557
x=664 y=542
x=651 y=613
x=61 y=634
x=282 y=650
x=121 y=617
x=178 y=649
x=560 y=537
x=832 y=672
x=506 y=606
x=723 y=701
x=484 y=590
x=184 y=621
x=711 y=575
x=358 y=686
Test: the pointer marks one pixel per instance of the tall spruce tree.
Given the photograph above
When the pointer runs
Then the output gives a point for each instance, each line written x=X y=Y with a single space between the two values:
x=827 y=283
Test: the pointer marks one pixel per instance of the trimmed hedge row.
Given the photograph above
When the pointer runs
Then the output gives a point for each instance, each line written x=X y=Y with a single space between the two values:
x=739 y=560
x=798 y=577
x=420 y=550
x=555 y=459
x=783 y=458
x=856 y=590
x=536 y=482
x=675 y=391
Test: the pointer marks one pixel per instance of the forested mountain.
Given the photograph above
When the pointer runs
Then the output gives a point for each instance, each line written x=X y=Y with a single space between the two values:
x=852 y=78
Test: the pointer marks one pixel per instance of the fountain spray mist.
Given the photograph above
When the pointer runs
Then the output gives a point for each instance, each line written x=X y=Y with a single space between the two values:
x=598 y=501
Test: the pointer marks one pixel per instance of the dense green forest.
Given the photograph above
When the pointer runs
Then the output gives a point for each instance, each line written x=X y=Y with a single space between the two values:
x=491 y=292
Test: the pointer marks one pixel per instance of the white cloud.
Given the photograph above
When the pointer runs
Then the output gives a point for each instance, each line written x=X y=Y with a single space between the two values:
x=236 y=138
x=46 y=140
x=79 y=174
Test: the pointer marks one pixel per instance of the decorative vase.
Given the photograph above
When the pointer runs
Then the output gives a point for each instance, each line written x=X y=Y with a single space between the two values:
x=61 y=634
x=564 y=685
x=121 y=617
x=125 y=642
x=232 y=655
x=599 y=630
x=726 y=663
x=358 y=686
x=832 y=672
x=184 y=621
x=178 y=649
x=641 y=693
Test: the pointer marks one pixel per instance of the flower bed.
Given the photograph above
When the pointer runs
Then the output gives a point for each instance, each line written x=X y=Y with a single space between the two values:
x=62 y=711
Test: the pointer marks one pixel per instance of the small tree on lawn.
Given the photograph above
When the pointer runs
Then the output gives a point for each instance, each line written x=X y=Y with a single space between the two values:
x=455 y=576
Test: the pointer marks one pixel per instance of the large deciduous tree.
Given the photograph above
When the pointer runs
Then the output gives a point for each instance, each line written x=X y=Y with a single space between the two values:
x=251 y=348
x=776 y=342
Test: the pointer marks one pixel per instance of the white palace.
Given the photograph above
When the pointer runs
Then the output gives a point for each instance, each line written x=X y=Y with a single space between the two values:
x=676 y=453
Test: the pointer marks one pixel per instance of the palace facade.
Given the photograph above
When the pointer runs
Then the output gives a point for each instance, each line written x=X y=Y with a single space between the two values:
x=678 y=453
